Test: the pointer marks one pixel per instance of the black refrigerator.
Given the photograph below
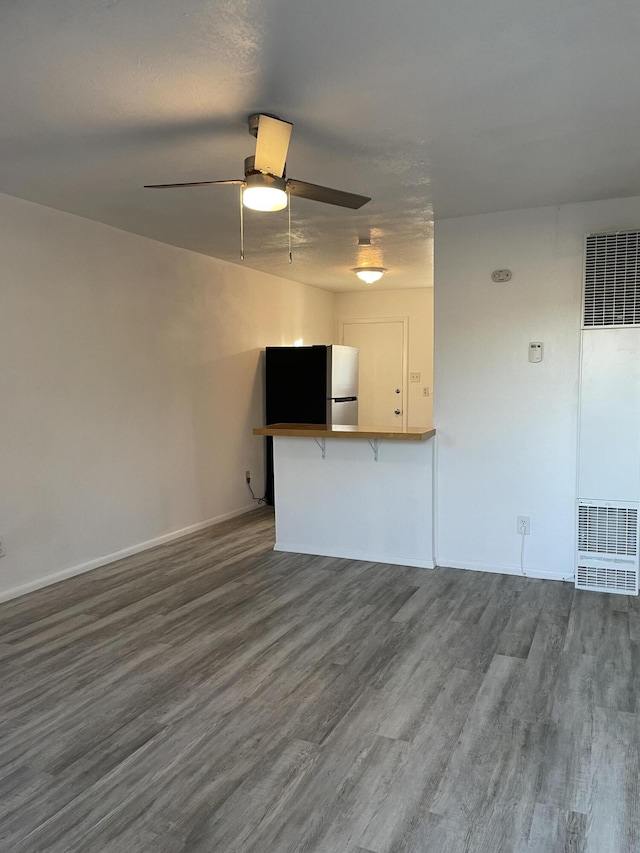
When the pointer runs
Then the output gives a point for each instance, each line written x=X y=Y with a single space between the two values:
x=308 y=385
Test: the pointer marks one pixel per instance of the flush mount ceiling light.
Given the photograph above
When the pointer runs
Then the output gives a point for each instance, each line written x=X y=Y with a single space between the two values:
x=369 y=274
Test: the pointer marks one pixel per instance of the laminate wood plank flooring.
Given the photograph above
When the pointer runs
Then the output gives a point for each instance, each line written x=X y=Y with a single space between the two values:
x=213 y=696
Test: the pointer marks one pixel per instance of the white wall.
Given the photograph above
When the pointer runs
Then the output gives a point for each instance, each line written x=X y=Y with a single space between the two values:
x=382 y=511
x=417 y=305
x=506 y=442
x=130 y=379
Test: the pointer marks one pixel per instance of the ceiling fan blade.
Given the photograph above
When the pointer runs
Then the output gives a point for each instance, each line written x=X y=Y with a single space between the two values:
x=191 y=184
x=272 y=145
x=326 y=194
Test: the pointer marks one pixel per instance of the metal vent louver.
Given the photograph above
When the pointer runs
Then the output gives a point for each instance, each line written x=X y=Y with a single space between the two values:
x=607 y=553
x=607 y=579
x=612 y=279
x=608 y=530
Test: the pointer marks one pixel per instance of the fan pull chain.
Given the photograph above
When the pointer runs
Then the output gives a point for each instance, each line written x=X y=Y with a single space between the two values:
x=241 y=225
x=289 y=207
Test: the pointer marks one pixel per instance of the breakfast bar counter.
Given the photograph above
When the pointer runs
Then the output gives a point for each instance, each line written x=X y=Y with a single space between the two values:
x=358 y=492
x=346 y=431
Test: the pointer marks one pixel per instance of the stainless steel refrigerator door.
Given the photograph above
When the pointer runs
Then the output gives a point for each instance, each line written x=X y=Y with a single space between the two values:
x=342 y=371
x=343 y=413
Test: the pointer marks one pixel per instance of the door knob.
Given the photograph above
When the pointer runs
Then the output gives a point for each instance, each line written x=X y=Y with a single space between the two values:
x=398 y=391
x=397 y=412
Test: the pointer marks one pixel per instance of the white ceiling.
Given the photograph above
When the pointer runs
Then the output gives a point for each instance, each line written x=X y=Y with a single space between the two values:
x=445 y=108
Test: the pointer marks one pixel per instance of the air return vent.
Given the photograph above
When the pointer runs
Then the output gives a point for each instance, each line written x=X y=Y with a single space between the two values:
x=607 y=553
x=612 y=279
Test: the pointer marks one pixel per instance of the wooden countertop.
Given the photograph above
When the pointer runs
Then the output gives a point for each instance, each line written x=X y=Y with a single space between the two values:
x=324 y=431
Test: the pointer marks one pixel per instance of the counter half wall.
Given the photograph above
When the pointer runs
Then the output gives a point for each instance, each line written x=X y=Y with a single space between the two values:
x=364 y=494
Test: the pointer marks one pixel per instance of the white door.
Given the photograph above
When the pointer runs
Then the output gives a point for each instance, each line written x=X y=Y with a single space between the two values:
x=382 y=384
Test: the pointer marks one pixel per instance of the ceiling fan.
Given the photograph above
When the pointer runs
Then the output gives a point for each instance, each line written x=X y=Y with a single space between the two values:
x=265 y=185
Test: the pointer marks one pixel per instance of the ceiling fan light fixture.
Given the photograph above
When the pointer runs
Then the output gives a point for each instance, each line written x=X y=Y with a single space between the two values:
x=264 y=192
x=369 y=274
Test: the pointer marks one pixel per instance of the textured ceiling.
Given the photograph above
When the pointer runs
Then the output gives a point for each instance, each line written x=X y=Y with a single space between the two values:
x=445 y=108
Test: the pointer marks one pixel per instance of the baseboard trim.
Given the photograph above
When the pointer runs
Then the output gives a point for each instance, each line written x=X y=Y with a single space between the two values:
x=354 y=554
x=502 y=570
x=63 y=574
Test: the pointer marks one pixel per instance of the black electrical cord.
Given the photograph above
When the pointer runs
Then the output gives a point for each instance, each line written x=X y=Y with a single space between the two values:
x=259 y=501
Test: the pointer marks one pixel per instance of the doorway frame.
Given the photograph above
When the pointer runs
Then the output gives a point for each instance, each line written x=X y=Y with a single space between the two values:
x=342 y=321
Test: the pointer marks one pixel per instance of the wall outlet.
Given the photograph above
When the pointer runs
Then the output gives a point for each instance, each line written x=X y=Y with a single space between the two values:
x=523 y=522
x=414 y=377
x=425 y=391
x=2 y=551
x=247 y=475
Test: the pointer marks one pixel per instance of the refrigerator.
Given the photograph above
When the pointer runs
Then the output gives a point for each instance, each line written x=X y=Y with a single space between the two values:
x=309 y=385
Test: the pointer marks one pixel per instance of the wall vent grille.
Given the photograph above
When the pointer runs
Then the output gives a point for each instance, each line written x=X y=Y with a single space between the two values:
x=607 y=579
x=607 y=530
x=612 y=279
x=607 y=552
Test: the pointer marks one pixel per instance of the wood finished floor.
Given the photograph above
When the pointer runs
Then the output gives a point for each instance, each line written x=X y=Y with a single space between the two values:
x=212 y=695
